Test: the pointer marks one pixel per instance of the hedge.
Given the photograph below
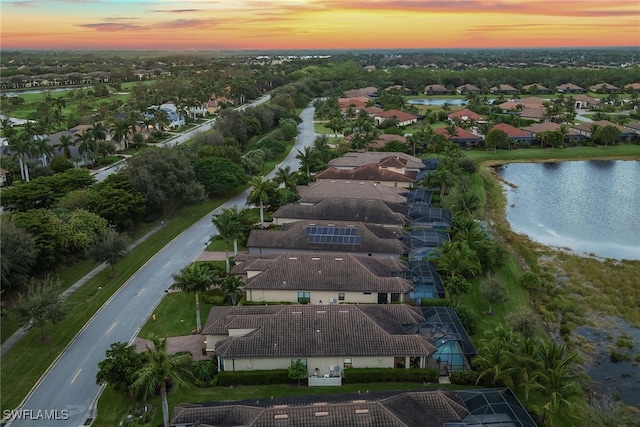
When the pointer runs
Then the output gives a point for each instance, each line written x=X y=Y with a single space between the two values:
x=463 y=377
x=374 y=375
x=274 y=376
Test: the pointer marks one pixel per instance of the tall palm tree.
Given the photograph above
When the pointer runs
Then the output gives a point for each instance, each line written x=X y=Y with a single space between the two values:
x=120 y=131
x=98 y=132
x=162 y=120
x=260 y=194
x=307 y=159
x=528 y=365
x=41 y=147
x=495 y=363
x=59 y=103
x=21 y=145
x=86 y=145
x=464 y=201
x=451 y=130
x=457 y=259
x=322 y=148
x=64 y=145
x=159 y=370
x=287 y=177
x=231 y=285
x=194 y=279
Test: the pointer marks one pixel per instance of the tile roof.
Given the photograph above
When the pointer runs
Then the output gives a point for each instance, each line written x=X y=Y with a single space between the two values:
x=336 y=330
x=402 y=116
x=605 y=86
x=435 y=88
x=370 y=172
x=536 y=128
x=586 y=98
x=365 y=91
x=353 y=159
x=346 y=209
x=464 y=114
x=633 y=125
x=503 y=88
x=376 y=409
x=468 y=88
x=386 y=138
x=357 y=102
x=511 y=131
x=461 y=134
x=633 y=86
x=326 y=272
x=568 y=86
x=532 y=101
x=586 y=127
x=533 y=113
x=293 y=237
x=538 y=86
x=316 y=191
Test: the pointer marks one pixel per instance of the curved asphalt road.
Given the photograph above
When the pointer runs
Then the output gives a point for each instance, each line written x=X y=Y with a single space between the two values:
x=69 y=387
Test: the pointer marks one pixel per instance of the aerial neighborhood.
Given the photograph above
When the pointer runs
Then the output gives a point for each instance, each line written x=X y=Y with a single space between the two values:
x=339 y=221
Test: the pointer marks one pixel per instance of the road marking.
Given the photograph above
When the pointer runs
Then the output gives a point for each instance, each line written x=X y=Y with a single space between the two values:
x=190 y=242
x=166 y=265
x=111 y=328
x=141 y=292
x=76 y=376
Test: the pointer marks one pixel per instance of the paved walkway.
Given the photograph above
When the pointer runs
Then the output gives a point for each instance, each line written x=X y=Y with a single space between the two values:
x=20 y=333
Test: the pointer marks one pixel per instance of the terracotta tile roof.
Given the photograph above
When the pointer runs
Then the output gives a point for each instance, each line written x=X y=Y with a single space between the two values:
x=586 y=127
x=376 y=409
x=605 y=86
x=435 y=88
x=461 y=134
x=568 y=87
x=353 y=160
x=386 y=138
x=373 y=110
x=324 y=272
x=586 y=98
x=464 y=114
x=316 y=191
x=293 y=238
x=532 y=101
x=402 y=116
x=346 y=209
x=370 y=172
x=357 y=103
x=511 y=131
x=365 y=91
x=536 y=128
x=632 y=86
x=533 y=113
x=467 y=88
x=538 y=86
x=336 y=330
x=503 y=88
x=633 y=125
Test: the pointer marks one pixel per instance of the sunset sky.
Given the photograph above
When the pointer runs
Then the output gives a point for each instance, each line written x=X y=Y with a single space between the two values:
x=316 y=24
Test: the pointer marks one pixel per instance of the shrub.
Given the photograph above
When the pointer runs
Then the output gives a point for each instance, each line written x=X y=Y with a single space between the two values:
x=275 y=376
x=468 y=165
x=435 y=302
x=467 y=318
x=214 y=296
x=530 y=280
x=204 y=371
x=373 y=375
x=524 y=322
x=463 y=377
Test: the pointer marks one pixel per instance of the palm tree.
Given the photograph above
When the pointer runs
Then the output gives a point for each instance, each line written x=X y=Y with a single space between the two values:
x=464 y=201
x=457 y=259
x=336 y=124
x=260 y=194
x=232 y=225
x=322 y=149
x=86 y=145
x=120 y=131
x=441 y=177
x=307 y=159
x=451 y=130
x=495 y=363
x=231 y=286
x=21 y=145
x=59 y=103
x=287 y=177
x=160 y=370
x=64 y=144
x=194 y=279
x=41 y=147
x=98 y=132
x=528 y=365
x=162 y=120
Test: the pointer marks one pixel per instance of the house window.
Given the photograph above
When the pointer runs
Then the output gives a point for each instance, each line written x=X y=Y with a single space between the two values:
x=346 y=363
x=367 y=293
x=304 y=297
x=303 y=361
x=414 y=362
x=340 y=296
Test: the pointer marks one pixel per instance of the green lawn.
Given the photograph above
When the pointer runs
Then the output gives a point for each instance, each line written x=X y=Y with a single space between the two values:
x=175 y=316
x=622 y=151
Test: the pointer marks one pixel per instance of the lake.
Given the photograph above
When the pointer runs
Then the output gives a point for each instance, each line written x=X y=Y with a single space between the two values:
x=591 y=207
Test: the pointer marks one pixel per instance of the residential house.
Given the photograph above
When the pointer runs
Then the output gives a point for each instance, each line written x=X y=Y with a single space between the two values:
x=468 y=89
x=604 y=88
x=322 y=278
x=421 y=408
x=315 y=237
x=403 y=118
x=465 y=115
x=515 y=135
x=326 y=338
x=585 y=102
x=436 y=89
x=504 y=89
x=632 y=87
x=391 y=171
x=520 y=104
x=586 y=129
x=534 y=113
x=536 y=128
x=570 y=88
x=461 y=136
x=369 y=92
x=353 y=160
x=633 y=127
x=4 y=177
x=536 y=89
x=319 y=190
x=370 y=211
x=357 y=103
x=382 y=140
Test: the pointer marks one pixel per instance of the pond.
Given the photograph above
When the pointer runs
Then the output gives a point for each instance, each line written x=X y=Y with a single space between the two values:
x=438 y=102
x=590 y=207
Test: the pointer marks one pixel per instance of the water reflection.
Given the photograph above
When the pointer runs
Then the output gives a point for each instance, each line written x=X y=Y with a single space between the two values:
x=585 y=206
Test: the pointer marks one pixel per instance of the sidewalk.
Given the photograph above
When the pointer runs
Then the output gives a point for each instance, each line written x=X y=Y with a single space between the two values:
x=17 y=336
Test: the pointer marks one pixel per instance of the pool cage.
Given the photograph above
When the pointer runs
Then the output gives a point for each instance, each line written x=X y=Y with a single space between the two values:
x=454 y=349
x=493 y=408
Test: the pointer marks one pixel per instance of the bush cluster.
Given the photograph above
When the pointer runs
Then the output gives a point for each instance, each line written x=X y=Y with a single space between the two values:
x=463 y=377
x=374 y=375
x=275 y=376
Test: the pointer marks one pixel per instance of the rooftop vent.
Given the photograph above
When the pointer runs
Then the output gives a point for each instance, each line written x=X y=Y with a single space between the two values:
x=321 y=414
x=319 y=403
x=359 y=401
x=282 y=406
x=362 y=411
x=280 y=417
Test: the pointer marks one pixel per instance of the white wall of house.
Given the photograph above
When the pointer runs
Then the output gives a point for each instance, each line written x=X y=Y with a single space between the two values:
x=317 y=297
x=323 y=364
x=212 y=340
